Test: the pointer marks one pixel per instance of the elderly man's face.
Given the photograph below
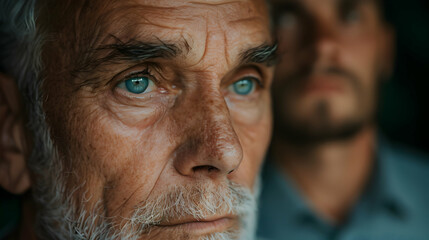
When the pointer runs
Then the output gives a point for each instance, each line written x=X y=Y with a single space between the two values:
x=156 y=107
x=334 y=52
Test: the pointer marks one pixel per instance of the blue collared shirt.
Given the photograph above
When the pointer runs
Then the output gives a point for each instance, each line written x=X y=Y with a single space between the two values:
x=394 y=206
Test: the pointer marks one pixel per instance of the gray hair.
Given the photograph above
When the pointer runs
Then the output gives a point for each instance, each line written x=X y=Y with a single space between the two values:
x=20 y=57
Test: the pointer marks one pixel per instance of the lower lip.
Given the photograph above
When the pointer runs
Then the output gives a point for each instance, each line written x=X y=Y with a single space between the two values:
x=204 y=227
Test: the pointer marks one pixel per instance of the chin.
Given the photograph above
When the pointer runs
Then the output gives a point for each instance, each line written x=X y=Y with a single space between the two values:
x=226 y=213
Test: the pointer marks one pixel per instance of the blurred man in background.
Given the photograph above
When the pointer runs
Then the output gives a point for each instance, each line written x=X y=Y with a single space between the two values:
x=330 y=175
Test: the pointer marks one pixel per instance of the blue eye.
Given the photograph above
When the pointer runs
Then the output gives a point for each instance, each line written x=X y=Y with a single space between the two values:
x=135 y=85
x=243 y=86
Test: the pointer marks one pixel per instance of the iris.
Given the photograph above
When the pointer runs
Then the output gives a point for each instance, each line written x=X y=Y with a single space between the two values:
x=244 y=86
x=137 y=85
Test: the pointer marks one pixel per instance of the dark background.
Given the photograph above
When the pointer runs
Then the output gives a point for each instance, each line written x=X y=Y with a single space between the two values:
x=404 y=108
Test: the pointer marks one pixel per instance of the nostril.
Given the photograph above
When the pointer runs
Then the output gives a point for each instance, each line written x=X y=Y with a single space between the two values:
x=207 y=168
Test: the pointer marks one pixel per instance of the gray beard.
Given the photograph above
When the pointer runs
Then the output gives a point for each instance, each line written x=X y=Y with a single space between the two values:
x=58 y=218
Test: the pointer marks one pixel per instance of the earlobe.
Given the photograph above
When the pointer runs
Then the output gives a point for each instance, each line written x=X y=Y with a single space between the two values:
x=14 y=175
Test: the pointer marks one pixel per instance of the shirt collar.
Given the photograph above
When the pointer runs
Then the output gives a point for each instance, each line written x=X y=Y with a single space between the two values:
x=289 y=197
x=388 y=189
x=385 y=189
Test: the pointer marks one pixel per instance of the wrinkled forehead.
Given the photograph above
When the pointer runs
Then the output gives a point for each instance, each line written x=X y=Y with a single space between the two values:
x=186 y=15
x=192 y=23
x=153 y=11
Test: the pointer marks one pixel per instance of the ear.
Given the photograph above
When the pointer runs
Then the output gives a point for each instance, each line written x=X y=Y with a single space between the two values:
x=387 y=48
x=14 y=175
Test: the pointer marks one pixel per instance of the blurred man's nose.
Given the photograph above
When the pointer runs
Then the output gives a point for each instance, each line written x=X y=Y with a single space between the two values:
x=209 y=146
x=323 y=38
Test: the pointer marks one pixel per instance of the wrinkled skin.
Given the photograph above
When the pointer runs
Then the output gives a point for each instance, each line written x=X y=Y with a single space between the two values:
x=120 y=148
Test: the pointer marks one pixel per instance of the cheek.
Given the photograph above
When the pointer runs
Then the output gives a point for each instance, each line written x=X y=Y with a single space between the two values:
x=254 y=139
x=142 y=154
x=362 y=59
x=250 y=112
x=115 y=161
x=136 y=113
x=361 y=54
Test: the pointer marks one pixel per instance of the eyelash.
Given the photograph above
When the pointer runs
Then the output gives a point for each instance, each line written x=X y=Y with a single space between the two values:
x=260 y=79
x=146 y=72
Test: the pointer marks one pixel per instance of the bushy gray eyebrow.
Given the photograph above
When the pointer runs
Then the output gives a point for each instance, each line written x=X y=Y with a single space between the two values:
x=265 y=54
x=129 y=51
x=135 y=50
x=140 y=51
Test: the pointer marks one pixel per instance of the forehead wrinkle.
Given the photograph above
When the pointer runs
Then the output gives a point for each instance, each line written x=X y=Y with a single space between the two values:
x=150 y=15
x=232 y=10
x=219 y=29
x=125 y=22
x=215 y=3
x=247 y=20
x=174 y=19
x=123 y=16
x=225 y=49
x=213 y=32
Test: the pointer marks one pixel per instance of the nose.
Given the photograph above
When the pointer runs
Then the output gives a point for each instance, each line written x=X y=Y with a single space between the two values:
x=209 y=146
x=323 y=38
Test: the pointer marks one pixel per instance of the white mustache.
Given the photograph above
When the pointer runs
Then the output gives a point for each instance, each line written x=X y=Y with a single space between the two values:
x=199 y=202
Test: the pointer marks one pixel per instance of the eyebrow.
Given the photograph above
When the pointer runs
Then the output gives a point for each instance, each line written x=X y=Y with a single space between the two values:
x=133 y=50
x=140 y=51
x=264 y=54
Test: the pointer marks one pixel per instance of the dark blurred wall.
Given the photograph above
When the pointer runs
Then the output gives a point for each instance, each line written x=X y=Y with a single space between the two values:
x=404 y=113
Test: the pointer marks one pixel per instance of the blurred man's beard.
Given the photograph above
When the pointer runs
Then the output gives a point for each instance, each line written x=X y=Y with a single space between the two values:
x=320 y=128
x=58 y=218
